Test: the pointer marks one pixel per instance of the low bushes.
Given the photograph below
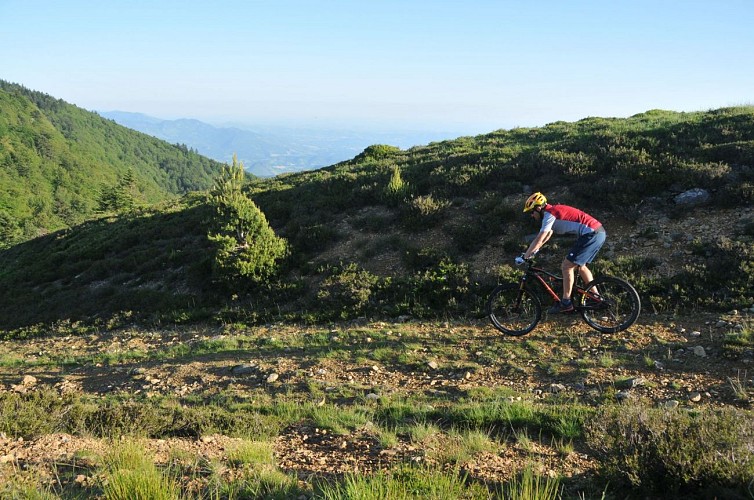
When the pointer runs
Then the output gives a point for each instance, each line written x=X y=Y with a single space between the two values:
x=348 y=291
x=671 y=451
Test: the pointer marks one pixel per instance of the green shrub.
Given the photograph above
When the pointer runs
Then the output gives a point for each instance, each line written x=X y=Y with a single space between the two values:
x=470 y=237
x=438 y=287
x=745 y=227
x=346 y=291
x=721 y=280
x=443 y=289
x=740 y=152
x=513 y=246
x=423 y=212
x=315 y=237
x=662 y=451
x=45 y=411
x=37 y=413
x=378 y=152
x=377 y=222
x=741 y=193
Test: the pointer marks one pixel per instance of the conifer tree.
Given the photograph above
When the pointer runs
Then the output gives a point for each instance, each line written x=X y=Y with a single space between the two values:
x=120 y=197
x=397 y=188
x=246 y=245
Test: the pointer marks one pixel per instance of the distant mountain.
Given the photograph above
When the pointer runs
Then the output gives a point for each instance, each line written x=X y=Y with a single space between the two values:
x=269 y=150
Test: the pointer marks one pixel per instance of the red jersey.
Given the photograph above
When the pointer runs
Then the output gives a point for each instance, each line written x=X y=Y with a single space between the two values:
x=562 y=219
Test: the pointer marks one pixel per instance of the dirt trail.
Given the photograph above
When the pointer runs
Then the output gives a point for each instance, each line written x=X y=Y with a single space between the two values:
x=682 y=362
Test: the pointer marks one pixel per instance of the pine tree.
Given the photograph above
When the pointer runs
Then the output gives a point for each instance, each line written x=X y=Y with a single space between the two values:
x=120 y=197
x=397 y=189
x=246 y=245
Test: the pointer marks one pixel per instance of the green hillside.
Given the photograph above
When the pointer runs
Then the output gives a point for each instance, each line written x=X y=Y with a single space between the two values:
x=455 y=224
x=57 y=160
x=426 y=232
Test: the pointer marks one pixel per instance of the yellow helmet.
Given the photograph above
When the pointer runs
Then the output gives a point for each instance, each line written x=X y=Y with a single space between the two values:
x=535 y=200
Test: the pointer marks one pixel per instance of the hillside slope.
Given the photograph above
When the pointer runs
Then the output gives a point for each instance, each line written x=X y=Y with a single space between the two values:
x=456 y=223
x=57 y=159
x=434 y=242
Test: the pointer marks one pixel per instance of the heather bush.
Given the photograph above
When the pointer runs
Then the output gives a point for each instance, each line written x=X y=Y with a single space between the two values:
x=662 y=451
x=422 y=212
x=346 y=291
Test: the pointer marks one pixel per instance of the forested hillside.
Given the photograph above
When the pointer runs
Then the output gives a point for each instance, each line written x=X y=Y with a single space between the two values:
x=427 y=232
x=60 y=164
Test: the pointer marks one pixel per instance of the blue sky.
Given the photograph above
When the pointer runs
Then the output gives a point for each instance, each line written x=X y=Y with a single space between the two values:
x=471 y=67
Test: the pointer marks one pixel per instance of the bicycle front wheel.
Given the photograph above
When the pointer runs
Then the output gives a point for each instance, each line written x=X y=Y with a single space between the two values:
x=609 y=304
x=512 y=310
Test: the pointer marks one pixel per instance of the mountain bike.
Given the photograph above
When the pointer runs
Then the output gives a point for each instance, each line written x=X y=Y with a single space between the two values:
x=607 y=304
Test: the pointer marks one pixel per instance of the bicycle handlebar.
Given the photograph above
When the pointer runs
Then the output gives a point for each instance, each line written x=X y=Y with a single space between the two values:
x=520 y=260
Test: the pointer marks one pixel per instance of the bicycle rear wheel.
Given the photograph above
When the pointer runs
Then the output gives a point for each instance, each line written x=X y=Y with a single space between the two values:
x=609 y=304
x=512 y=310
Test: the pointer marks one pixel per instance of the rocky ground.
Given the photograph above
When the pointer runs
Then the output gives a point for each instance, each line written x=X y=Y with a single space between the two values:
x=666 y=361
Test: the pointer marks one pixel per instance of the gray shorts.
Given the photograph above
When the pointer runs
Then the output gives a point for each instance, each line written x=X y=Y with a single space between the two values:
x=586 y=247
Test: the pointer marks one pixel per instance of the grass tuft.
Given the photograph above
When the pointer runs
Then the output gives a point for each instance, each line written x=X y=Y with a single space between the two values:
x=130 y=474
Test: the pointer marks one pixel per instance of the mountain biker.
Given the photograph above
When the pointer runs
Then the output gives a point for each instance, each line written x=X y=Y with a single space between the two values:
x=563 y=219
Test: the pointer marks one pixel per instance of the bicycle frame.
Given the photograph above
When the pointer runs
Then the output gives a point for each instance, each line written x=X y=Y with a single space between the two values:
x=538 y=275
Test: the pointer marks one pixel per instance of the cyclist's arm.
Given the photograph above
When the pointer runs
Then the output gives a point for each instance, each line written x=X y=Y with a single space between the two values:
x=538 y=243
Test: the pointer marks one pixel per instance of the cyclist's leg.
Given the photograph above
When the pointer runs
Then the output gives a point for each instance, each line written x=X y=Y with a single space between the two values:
x=586 y=274
x=587 y=277
x=569 y=277
x=583 y=252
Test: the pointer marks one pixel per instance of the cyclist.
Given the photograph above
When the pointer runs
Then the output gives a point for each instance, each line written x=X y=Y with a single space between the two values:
x=563 y=219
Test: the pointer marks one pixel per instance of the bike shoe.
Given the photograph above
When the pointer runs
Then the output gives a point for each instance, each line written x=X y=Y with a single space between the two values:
x=561 y=307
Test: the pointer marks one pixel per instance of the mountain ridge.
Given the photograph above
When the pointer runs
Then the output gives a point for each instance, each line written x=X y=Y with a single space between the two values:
x=268 y=150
